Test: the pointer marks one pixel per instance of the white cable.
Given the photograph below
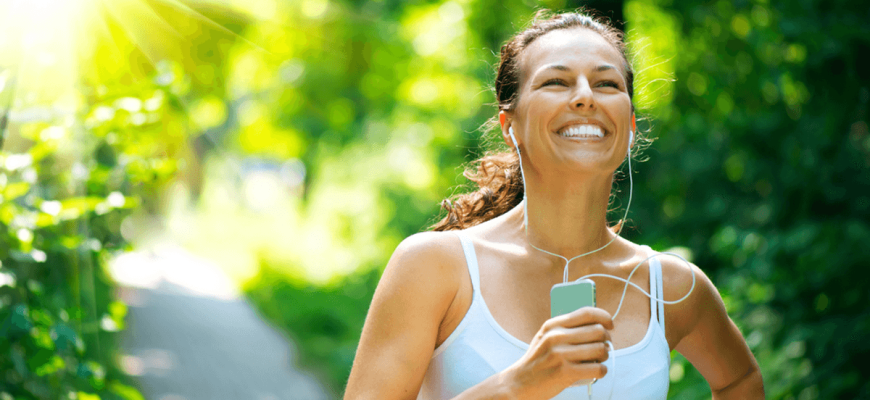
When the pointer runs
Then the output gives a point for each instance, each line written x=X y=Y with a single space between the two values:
x=613 y=366
x=647 y=294
x=567 y=261
x=627 y=281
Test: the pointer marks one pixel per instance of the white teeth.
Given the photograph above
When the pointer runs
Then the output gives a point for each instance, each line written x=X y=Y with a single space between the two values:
x=583 y=131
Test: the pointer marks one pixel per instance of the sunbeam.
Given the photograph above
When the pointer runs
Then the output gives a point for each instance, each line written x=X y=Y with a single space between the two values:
x=51 y=49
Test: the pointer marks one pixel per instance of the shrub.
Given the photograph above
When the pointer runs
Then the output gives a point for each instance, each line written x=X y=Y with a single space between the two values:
x=66 y=184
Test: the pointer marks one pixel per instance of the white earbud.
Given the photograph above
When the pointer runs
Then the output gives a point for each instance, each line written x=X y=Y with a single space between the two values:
x=523 y=177
x=630 y=141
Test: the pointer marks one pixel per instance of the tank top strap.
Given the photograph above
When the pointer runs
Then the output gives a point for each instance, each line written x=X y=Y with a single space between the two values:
x=653 y=286
x=661 y=292
x=656 y=289
x=470 y=260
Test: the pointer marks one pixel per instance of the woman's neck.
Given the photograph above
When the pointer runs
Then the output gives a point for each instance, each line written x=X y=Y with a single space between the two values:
x=568 y=219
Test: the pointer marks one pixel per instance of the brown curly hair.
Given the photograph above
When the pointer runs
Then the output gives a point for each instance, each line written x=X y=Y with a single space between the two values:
x=497 y=174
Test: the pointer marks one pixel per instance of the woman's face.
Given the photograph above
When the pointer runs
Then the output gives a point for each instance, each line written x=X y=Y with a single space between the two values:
x=573 y=112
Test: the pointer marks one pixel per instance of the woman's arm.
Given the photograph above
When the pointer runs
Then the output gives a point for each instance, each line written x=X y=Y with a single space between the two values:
x=400 y=332
x=707 y=337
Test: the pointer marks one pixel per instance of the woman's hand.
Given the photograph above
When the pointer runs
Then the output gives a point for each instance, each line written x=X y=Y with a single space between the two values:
x=567 y=349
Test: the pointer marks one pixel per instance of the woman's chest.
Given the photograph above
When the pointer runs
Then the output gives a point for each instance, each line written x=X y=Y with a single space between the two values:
x=520 y=304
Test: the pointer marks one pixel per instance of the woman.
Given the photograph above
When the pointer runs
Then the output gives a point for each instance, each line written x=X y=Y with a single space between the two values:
x=464 y=312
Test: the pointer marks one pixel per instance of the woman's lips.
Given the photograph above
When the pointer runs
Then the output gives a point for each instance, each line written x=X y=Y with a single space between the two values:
x=582 y=131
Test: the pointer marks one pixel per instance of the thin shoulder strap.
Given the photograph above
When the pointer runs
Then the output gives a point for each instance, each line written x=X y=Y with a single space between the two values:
x=657 y=308
x=660 y=292
x=653 y=286
x=470 y=260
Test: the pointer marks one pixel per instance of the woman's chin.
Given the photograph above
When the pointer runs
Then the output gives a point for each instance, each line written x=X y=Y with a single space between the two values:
x=590 y=161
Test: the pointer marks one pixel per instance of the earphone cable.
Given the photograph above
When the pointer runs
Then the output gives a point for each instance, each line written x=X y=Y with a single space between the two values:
x=568 y=261
x=627 y=281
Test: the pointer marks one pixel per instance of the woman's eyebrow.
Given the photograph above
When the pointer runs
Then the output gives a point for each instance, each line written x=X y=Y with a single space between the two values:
x=560 y=67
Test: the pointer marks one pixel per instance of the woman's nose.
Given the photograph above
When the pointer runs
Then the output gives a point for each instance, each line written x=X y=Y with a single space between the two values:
x=582 y=98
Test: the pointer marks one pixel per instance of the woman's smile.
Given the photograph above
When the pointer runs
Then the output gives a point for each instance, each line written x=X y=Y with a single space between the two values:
x=584 y=129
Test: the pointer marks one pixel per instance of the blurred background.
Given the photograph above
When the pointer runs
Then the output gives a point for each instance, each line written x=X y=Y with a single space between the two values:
x=198 y=197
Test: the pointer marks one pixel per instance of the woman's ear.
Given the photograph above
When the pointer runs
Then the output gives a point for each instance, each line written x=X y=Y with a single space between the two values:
x=505 y=121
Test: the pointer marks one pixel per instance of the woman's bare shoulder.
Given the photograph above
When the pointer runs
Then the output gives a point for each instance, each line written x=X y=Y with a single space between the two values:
x=431 y=249
x=678 y=275
x=409 y=305
x=700 y=328
x=435 y=258
x=684 y=279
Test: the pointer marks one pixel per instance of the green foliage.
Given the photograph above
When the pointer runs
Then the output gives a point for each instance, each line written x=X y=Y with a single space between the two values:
x=760 y=168
x=66 y=184
x=331 y=315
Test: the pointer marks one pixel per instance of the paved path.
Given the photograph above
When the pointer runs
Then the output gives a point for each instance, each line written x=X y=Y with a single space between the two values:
x=190 y=336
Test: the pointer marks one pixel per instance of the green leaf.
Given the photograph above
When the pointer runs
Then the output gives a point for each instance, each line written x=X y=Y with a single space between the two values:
x=7 y=212
x=43 y=220
x=73 y=208
x=15 y=190
x=125 y=392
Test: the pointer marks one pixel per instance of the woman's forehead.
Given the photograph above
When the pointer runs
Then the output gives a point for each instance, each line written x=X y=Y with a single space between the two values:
x=575 y=45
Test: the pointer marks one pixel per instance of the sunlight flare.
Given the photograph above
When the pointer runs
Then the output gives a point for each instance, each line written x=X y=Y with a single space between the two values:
x=53 y=52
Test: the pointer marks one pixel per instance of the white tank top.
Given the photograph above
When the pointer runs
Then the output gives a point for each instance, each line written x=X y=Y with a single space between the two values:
x=479 y=348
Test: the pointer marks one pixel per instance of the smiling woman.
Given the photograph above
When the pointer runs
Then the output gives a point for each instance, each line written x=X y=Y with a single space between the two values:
x=466 y=314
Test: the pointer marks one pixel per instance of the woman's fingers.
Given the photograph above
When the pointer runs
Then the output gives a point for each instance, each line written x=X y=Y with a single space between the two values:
x=569 y=346
x=580 y=317
x=591 y=370
x=567 y=349
x=579 y=335
x=597 y=352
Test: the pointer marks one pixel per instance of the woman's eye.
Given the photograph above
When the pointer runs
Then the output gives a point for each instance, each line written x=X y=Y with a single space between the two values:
x=609 y=84
x=554 y=82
